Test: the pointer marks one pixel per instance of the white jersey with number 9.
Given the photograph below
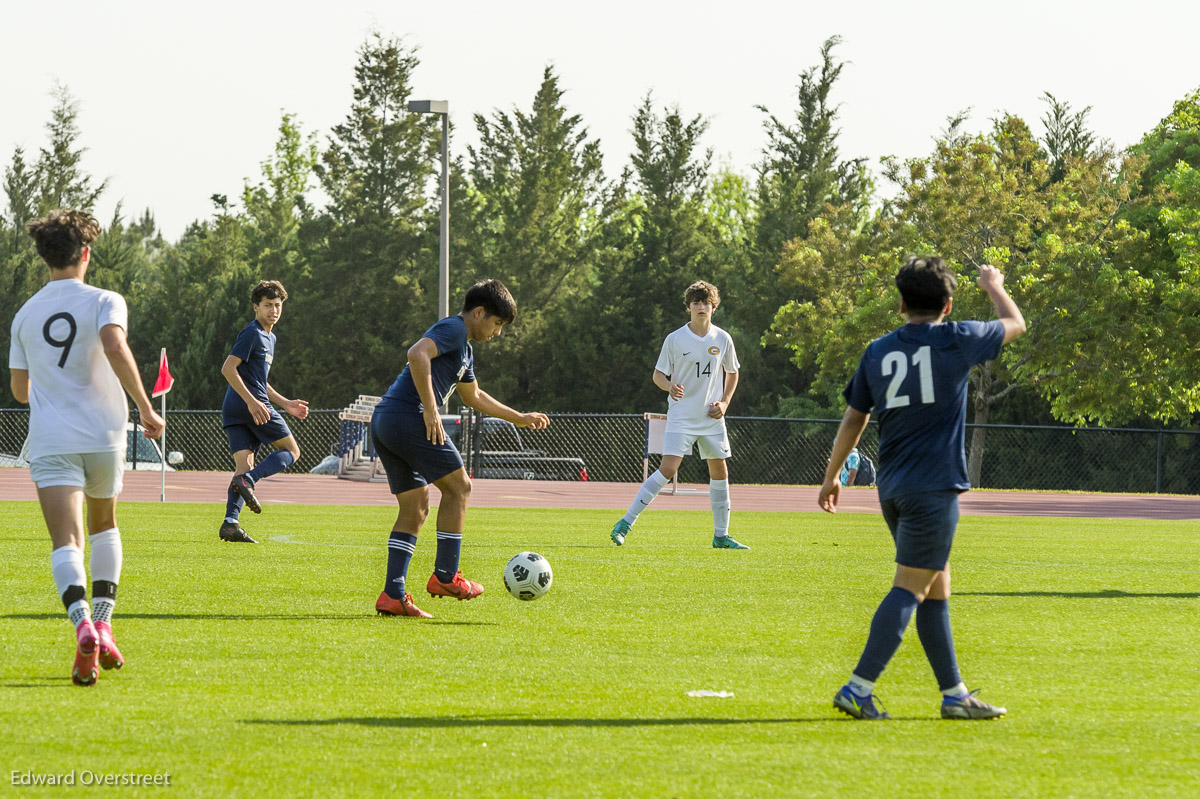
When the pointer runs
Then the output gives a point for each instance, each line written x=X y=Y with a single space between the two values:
x=76 y=402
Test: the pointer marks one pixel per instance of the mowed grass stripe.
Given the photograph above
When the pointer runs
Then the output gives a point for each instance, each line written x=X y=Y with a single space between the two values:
x=252 y=668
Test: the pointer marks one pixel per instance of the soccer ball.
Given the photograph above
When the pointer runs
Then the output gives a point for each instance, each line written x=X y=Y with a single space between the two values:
x=528 y=575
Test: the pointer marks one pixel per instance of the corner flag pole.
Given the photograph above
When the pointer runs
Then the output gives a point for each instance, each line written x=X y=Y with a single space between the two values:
x=161 y=386
x=162 y=479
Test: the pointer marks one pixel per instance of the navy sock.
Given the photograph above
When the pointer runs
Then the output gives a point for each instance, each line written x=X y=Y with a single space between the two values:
x=233 y=505
x=276 y=462
x=449 y=545
x=933 y=628
x=887 y=630
x=400 y=552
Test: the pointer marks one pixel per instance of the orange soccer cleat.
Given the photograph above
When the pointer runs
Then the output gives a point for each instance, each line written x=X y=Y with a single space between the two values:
x=387 y=606
x=459 y=588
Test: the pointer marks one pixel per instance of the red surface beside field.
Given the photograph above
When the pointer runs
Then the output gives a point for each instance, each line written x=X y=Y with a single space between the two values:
x=324 y=490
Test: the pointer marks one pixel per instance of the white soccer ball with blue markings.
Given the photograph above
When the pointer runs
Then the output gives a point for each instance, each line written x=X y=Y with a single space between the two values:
x=528 y=575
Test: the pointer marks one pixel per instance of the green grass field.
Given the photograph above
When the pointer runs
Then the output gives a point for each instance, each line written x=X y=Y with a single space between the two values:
x=261 y=670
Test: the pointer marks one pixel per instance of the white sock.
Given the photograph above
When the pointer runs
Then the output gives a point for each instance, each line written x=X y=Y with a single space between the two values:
x=105 y=565
x=860 y=686
x=66 y=564
x=646 y=494
x=79 y=612
x=106 y=555
x=957 y=692
x=718 y=498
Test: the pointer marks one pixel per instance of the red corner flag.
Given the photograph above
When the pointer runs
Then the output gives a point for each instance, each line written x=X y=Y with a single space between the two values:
x=164 y=382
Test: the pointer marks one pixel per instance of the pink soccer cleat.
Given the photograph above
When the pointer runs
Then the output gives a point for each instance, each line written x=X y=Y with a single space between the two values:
x=87 y=653
x=459 y=588
x=110 y=656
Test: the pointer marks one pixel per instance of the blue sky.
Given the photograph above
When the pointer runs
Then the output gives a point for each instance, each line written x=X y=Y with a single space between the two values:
x=180 y=102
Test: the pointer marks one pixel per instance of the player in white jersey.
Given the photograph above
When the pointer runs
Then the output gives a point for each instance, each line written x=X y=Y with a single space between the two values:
x=698 y=368
x=70 y=361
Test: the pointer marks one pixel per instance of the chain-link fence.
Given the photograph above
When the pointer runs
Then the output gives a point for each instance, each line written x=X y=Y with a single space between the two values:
x=768 y=451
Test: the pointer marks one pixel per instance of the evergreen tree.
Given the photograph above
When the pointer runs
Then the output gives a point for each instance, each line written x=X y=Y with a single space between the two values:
x=537 y=192
x=60 y=177
x=368 y=275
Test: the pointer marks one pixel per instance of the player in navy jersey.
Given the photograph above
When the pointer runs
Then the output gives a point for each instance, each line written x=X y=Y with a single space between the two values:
x=915 y=380
x=411 y=443
x=247 y=415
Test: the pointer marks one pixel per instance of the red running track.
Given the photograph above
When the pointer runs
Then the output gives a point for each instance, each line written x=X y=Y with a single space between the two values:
x=305 y=489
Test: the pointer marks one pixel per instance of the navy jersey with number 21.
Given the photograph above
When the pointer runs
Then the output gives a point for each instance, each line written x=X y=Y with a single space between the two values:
x=914 y=380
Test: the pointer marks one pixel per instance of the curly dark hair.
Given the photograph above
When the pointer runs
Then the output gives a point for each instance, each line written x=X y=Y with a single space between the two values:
x=701 y=291
x=271 y=289
x=62 y=235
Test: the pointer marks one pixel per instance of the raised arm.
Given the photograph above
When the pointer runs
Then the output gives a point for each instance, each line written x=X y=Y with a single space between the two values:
x=116 y=349
x=992 y=281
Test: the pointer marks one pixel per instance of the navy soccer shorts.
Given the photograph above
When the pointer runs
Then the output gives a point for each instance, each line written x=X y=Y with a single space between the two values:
x=409 y=458
x=923 y=527
x=248 y=435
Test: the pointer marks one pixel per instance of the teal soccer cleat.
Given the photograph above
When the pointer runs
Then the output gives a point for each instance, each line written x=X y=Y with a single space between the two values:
x=727 y=542
x=619 y=531
x=860 y=707
x=970 y=707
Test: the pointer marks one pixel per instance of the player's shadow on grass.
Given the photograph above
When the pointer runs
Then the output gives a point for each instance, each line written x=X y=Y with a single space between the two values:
x=1108 y=593
x=247 y=617
x=442 y=722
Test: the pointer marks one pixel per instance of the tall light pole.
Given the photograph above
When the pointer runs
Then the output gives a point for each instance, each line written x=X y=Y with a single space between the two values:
x=441 y=107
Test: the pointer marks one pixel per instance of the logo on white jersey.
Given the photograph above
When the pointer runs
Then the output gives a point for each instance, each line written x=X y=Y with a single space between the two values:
x=714 y=350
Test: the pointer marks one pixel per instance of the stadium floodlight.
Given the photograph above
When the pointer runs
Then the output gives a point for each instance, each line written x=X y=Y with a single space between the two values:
x=442 y=108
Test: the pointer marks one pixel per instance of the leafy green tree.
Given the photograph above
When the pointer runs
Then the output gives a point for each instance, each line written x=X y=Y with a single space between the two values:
x=276 y=205
x=1168 y=214
x=979 y=199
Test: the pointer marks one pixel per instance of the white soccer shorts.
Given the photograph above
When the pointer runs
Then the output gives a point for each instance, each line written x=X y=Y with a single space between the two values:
x=711 y=447
x=99 y=474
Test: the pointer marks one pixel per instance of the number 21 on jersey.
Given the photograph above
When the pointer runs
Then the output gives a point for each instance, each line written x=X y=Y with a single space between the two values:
x=896 y=365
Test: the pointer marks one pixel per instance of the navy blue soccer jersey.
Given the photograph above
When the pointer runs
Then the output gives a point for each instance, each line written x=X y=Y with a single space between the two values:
x=915 y=382
x=256 y=348
x=454 y=364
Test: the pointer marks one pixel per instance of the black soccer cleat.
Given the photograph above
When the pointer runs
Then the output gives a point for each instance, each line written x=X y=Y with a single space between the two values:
x=233 y=532
x=244 y=486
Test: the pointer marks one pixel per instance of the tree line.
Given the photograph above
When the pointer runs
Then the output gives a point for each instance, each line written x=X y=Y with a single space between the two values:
x=1101 y=249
